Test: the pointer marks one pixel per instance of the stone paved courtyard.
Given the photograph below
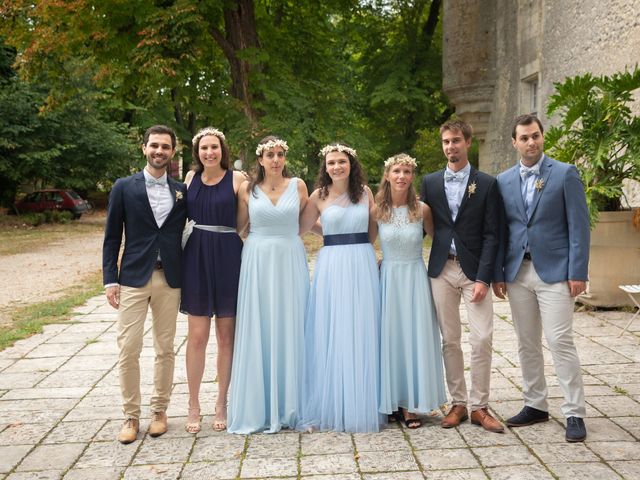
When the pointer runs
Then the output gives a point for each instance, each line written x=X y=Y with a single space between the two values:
x=60 y=413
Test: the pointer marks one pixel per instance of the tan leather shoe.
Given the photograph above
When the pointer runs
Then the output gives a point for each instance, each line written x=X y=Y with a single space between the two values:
x=456 y=415
x=484 y=418
x=129 y=431
x=158 y=424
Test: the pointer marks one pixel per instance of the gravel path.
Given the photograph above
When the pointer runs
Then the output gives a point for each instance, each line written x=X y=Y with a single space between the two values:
x=33 y=277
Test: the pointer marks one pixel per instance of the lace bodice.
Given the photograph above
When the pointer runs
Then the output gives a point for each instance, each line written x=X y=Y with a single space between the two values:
x=400 y=239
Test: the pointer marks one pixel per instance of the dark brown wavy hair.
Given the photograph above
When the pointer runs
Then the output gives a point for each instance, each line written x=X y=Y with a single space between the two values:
x=257 y=171
x=357 y=177
x=195 y=151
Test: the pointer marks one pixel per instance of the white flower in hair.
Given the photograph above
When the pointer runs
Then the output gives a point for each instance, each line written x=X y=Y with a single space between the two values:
x=338 y=148
x=401 y=159
x=263 y=147
x=208 y=131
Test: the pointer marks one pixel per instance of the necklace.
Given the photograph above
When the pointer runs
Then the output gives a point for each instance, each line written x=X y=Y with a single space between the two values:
x=273 y=187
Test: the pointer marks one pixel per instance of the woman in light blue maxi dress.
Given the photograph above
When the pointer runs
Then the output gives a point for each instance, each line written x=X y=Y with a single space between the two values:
x=266 y=380
x=411 y=371
x=343 y=314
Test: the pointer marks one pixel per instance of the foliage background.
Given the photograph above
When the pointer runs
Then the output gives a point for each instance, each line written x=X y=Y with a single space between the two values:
x=80 y=81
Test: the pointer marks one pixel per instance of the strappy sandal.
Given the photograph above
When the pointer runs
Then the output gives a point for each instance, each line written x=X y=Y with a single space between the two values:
x=410 y=423
x=193 y=420
x=220 y=424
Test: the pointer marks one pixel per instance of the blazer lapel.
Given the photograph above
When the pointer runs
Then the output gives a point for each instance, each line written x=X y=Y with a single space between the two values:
x=473 y=176
x=141 y=193
x=545 y=171
x=516 y=191
x=441 y=195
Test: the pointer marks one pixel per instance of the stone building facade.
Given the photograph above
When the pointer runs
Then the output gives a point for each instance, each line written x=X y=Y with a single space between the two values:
x=502 y=57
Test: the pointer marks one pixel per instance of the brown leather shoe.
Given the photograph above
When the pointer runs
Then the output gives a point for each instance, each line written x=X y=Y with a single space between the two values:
x=129 y=431
x=158 y=424
x=484 y=418
x=456 y=415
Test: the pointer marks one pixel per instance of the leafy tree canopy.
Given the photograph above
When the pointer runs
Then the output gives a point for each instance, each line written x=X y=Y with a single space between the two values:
x=366 y=72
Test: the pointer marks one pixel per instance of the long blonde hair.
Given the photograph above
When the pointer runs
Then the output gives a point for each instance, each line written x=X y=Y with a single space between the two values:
x=383 y=197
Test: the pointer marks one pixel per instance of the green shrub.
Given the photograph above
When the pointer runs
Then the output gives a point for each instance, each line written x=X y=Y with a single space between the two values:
x=65 y=217
x=34 y=219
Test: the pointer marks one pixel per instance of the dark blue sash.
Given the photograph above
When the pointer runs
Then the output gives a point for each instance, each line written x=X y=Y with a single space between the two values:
x=346 y=239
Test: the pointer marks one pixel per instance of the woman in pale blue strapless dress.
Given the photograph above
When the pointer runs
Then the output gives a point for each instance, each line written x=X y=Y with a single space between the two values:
x=342 y=323
x=411 y=372
x=266 y=380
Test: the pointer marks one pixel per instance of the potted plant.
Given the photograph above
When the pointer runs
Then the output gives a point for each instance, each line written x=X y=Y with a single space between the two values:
x=599 y=133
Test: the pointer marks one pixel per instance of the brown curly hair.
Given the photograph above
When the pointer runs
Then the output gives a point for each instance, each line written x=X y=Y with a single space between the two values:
x=357 y=177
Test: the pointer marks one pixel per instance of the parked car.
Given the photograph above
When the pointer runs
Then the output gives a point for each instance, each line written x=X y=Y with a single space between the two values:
x=53 y=199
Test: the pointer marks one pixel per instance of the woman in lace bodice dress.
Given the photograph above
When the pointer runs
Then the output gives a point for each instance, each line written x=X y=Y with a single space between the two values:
x=411 y=374
x=266 y=382
x=343 y=313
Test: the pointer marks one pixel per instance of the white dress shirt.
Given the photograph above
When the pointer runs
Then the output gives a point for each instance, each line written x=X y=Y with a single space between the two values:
x=454 y=191
x=159 y=197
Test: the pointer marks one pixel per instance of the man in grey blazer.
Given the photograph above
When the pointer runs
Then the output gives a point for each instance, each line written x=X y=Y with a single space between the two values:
x=542 y=266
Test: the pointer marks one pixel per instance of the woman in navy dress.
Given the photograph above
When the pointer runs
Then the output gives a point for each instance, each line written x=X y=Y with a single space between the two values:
x=211 y=268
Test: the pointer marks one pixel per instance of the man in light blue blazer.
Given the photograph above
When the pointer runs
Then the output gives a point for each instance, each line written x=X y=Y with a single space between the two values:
x=542 y=266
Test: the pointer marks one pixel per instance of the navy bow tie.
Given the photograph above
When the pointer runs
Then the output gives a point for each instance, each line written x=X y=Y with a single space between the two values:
x=453 y=177
x=156 y=181
x=526 y=172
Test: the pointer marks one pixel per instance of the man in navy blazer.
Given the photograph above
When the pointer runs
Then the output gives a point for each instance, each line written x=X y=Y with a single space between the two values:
x=149 y=207
x=464 y=205
x=542 y=266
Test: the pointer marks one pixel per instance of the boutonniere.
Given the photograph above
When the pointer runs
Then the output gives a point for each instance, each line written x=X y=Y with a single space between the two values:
x=539 y=184
x=178 y=195
x=472 y=189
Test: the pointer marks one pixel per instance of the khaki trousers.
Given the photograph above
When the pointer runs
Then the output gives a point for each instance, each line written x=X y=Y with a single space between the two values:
x=537 y=306
x=134 y=304
x=447 y=289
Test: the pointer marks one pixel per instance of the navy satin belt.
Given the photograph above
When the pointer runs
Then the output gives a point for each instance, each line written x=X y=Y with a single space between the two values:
x=345 y=239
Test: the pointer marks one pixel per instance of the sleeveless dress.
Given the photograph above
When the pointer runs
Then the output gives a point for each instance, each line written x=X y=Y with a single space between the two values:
x=411 y=372
x=211 y=260
x=342 y=328
x=266 y=379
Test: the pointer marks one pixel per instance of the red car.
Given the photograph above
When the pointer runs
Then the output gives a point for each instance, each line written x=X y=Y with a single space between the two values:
x=53 y=199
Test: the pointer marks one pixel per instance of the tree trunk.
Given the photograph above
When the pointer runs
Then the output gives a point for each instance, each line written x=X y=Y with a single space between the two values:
x=240 y=34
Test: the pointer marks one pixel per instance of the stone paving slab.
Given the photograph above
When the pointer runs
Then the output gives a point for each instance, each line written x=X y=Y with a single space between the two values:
x=60 y=413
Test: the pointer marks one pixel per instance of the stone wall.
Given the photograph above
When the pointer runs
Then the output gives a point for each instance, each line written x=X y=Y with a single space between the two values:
x=501 y=58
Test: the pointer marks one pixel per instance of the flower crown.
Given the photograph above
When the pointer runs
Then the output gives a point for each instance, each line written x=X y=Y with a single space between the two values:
x=207 y=131
x=338 y=148
x=400 y=159
x=263 y=147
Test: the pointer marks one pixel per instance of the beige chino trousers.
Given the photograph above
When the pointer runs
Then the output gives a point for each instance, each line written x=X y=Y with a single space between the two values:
x=447 y=289
x=134 y=304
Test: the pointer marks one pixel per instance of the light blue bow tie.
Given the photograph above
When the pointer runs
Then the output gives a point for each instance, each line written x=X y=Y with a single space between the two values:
x=453 y=177
x=156 y=181
x=526 y=172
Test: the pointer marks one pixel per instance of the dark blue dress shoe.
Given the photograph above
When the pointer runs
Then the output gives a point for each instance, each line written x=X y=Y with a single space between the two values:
x=528 y=416
x=576 y=430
